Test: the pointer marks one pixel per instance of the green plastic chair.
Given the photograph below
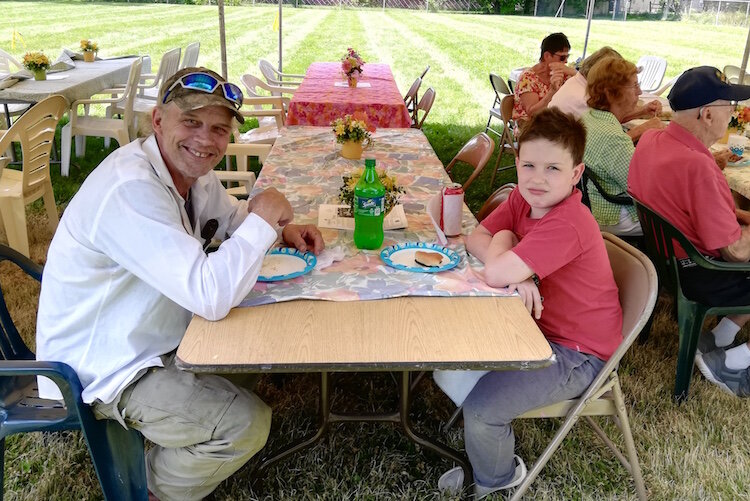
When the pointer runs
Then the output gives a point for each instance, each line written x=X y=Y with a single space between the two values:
x=117 y=453
x=659 y=236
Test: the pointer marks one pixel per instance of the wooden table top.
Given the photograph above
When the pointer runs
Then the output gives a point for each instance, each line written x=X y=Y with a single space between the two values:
x=391 y=334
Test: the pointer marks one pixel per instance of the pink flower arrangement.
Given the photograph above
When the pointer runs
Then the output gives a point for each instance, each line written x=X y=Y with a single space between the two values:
x=351 y=63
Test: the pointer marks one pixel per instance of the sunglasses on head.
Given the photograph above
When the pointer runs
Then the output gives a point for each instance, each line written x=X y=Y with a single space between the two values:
x=204 y=82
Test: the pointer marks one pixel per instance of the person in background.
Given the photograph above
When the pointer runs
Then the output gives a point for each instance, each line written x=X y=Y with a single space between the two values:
x=126 y=271
x=674 y=173
x=572 y=97
x=541 y=242
x=612 y=91
x=537 y=85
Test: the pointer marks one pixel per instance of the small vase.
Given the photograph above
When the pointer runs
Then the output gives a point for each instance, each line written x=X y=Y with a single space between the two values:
x=40 y=74
x=88 y=56
x=352 y=81
x=352 y=150
x=730 y=131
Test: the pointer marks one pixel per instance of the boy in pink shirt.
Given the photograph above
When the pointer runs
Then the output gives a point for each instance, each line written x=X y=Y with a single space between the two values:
x=545 y=244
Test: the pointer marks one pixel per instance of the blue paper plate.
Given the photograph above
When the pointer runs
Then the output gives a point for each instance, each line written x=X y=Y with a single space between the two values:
x=401 y=257
x=278 y=260
x=743 y=162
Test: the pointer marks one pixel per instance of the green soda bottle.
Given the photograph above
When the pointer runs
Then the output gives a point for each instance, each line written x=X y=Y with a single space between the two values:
x=369 y=208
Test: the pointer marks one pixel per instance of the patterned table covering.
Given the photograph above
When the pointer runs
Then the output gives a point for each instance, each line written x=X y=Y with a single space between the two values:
x=318 y=101
x=305 y=164
x=738 y=176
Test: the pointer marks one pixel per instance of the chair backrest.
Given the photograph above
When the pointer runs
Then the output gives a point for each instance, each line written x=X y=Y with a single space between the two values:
x=659 y=238
x=269 y=72
x=190 y=57
x=8 y=63
x=499 y=196
x=500 y=88
x=425 y=104
x=12 y=346
x=168 y=66
x=476 y=152
x=411 y=94
x=258 y=88
x=35 y=130
x=129 y=95
x=583 y=185
x=651 y=73
x=506 y=108
x=252 y=106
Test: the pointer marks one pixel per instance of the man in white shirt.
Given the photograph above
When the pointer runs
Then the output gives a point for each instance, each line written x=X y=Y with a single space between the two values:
x=126 y=270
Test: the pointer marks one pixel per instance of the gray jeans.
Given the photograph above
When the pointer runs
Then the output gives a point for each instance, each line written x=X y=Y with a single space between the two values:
x=499 y=397
x=204 y=428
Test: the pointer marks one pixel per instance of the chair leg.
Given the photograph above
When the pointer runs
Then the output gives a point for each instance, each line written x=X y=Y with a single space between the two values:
x=690 y=321
x=51 y=208
x=65 y=144
x=80 y=146
x=454 y=417
x=118 y=458
x=497 y=161
x=13 y=212
x=2 y=468
x=627 y=435
x=123 y=137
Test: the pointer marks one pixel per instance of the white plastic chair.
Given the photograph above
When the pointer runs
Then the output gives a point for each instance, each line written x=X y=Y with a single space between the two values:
x=35 y=130
x=86 y=125
x=9 y=64
x=270 y=120
x=277 y=78
x=652 y=72
x=256 y=87
x=190 y=57
x=168 y=66
x=245 y=178
x=425 y=105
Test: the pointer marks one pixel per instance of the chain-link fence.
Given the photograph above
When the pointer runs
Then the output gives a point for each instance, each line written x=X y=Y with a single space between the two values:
x=429 y=5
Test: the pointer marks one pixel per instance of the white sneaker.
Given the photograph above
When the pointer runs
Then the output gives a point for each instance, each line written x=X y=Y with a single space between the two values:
x=520 y=474
x=452 y=481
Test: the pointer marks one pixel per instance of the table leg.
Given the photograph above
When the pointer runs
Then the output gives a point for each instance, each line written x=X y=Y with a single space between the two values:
x=8 y=123
x=427 y=442
x=303 y=443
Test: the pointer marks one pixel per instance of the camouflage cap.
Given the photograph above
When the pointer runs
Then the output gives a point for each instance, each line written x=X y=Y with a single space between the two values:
x=188 y=99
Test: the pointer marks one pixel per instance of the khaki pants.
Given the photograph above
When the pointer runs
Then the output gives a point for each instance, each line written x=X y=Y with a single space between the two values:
x=204 y=428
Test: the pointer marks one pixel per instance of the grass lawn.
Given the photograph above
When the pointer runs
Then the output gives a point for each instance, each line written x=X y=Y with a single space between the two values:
x=695 y=451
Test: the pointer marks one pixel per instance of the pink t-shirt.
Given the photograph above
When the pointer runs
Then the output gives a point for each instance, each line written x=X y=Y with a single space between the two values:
x=566 y=251
x=675 y=174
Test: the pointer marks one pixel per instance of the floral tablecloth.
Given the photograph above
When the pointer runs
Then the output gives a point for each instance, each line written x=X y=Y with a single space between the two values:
x=318 y=101
x=305 y=164
x=737 y=175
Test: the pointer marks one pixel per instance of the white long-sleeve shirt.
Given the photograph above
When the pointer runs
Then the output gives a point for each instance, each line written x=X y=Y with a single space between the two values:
x=125 y=270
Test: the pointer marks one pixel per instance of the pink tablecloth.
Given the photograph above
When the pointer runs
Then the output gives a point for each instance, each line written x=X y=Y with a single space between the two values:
x=318 y=101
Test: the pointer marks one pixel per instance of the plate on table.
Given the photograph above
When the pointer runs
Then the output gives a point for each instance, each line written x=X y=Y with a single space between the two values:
x=402 y=257
x=284 y=263
x=744 y=161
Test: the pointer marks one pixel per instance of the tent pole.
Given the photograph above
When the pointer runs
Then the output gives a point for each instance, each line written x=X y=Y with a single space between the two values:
x=280 y=30
x=743 y=66
x=589 y=15
x=222 y=39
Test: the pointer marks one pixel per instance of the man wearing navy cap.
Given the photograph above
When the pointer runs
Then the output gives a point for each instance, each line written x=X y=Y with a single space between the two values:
x=674 y=173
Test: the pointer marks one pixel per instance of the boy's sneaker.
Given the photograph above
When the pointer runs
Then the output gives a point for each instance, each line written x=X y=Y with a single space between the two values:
x=453 y=481
x=713 y=367
x=706 y=343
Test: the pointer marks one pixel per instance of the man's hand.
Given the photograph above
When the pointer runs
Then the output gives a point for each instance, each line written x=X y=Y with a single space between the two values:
x=530 y=296
x=722 y=157
x=272 y=206
x=303 y=237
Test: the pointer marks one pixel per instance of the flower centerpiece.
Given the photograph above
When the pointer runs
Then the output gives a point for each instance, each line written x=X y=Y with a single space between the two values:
x=89 y=49
x=351 y=65
x=392 y=190
x=37 y=63
x=737 y=123
x=351 y=131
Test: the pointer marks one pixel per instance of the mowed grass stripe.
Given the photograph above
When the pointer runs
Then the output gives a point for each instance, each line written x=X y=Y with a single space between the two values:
x=472 y=93
x=299 y=30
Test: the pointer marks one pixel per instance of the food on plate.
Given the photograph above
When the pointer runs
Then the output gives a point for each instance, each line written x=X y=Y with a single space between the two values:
x=734 y=158
x=428 y=258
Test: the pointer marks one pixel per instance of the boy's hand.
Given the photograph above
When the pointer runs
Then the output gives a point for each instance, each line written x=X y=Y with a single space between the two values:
x=530 y=296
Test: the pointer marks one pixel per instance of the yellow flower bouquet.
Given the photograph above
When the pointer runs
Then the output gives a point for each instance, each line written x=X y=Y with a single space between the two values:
x=392 y=190
x=36 y=61
x=349 y=128
x=89 y=46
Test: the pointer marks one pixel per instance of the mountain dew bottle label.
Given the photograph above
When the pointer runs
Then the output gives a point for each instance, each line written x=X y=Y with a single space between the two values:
x=369 y=208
